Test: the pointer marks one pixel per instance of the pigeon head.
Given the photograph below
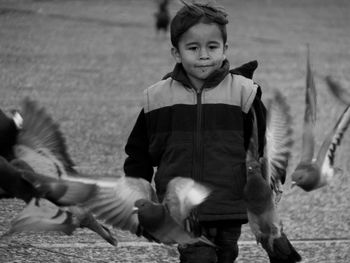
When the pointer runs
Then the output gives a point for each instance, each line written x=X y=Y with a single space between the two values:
x=150 y=214
x=305 y=176
x=142 y=204
x=17 y=118
x=253 y=168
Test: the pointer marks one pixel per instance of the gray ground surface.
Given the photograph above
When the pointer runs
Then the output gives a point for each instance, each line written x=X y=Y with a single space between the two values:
x=87 y=62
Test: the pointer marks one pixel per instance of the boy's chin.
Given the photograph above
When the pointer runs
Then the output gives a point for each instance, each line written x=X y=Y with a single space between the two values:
x=203 y=74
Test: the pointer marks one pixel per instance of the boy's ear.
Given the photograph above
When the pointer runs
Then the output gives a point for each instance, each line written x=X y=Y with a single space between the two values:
x=176 y=54
x=225 y=48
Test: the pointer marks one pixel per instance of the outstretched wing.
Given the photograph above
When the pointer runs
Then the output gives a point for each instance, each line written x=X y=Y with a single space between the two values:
x=308 y=145
x=25 y=184
x=182 y=195
x=40 y=143
x=114 y=200
x=279 y=141
x=41 y=215
x=325 y=157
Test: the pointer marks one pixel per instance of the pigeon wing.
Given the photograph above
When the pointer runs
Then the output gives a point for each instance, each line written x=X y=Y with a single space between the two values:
x=182 y=195
x=326 y=154
x=59 y=191
x=279 y=141
x=41 y=215
x=40 y=142
x=309 y=116
x=114 y=201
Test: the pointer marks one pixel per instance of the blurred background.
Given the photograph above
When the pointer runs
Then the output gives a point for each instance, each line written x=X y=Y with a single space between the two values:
x=87 y=62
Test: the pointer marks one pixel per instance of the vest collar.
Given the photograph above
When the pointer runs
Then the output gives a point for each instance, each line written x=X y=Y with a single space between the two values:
x=179 y=74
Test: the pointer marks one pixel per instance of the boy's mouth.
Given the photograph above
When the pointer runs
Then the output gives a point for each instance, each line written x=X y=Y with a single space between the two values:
x=203 y=68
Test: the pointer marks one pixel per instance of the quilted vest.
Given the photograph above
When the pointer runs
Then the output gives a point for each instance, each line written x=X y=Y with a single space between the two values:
x=200 y=135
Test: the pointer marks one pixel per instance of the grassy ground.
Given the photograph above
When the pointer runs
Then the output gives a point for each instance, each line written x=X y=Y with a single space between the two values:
x=88 y=61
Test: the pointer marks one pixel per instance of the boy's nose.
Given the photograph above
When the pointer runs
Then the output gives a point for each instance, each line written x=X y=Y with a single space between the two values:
x=204 y=54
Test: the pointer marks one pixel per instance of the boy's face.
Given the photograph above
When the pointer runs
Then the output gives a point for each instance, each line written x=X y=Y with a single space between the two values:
x=201 y=51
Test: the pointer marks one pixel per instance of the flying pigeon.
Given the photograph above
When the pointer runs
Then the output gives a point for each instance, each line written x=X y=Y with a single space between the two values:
x=313 y=172
x=39 y=163
x=24 y=183
x=42 y=215
x=259 y=196
x=40 y=143
x=166 y=221
x=131 y=204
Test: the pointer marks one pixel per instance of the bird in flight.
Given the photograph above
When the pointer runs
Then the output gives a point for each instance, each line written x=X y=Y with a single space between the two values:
x=315 y=171
x=38 y=163
x=262 y=172
x=131 y=204
x=166 y=222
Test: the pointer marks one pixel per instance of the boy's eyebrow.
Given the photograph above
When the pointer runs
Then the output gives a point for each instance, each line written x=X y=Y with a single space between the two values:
x=196 y=43
x=191 y=43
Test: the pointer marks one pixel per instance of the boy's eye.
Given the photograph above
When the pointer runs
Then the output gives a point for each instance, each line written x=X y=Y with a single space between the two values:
x=192 y=48
x=213 y=46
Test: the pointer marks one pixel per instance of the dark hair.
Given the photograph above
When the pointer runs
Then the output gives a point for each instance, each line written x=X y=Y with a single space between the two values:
x=191 y=14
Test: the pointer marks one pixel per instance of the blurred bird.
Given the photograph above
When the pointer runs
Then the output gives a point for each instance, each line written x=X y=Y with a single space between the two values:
x=18 y=180
x=261 y=173
x=314 y=172
x=39 y=163
x=40 y=143
x=115 y=198
x=131 y=204
x=166 y=221
x=110 y=200
x=162 y=16
x=42 y=215
x=338 y=91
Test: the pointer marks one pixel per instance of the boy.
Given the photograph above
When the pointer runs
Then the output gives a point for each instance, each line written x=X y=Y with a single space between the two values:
x=196 y=123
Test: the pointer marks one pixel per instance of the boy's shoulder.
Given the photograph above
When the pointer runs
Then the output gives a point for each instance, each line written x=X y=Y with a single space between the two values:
x=244 y=75
x=158 y=86
x=246 y=70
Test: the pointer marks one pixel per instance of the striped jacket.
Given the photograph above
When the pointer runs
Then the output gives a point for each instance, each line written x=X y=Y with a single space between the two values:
x=202 y=135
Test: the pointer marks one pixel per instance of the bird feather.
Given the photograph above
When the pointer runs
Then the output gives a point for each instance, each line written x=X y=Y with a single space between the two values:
x=42 y=135
x=278 y=141
x=309 y=115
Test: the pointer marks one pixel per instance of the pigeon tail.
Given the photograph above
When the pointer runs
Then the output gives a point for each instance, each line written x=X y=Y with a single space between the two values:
x=206 y=241
x=282 y=251
x=41 y=215
x=91 y=223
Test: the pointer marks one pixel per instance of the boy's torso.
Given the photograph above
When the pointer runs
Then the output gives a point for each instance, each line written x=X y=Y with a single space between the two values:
x=200 y=135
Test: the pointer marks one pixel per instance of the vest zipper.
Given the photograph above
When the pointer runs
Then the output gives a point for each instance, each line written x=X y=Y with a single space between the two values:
x=198 y=139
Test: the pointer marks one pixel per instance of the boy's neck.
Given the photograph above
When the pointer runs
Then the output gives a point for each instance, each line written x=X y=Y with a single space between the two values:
x=180 y=74
x=196 y=83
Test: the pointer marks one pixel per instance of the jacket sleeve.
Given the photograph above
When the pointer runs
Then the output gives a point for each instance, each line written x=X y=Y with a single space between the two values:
x=138 y=162
x=260 y=118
